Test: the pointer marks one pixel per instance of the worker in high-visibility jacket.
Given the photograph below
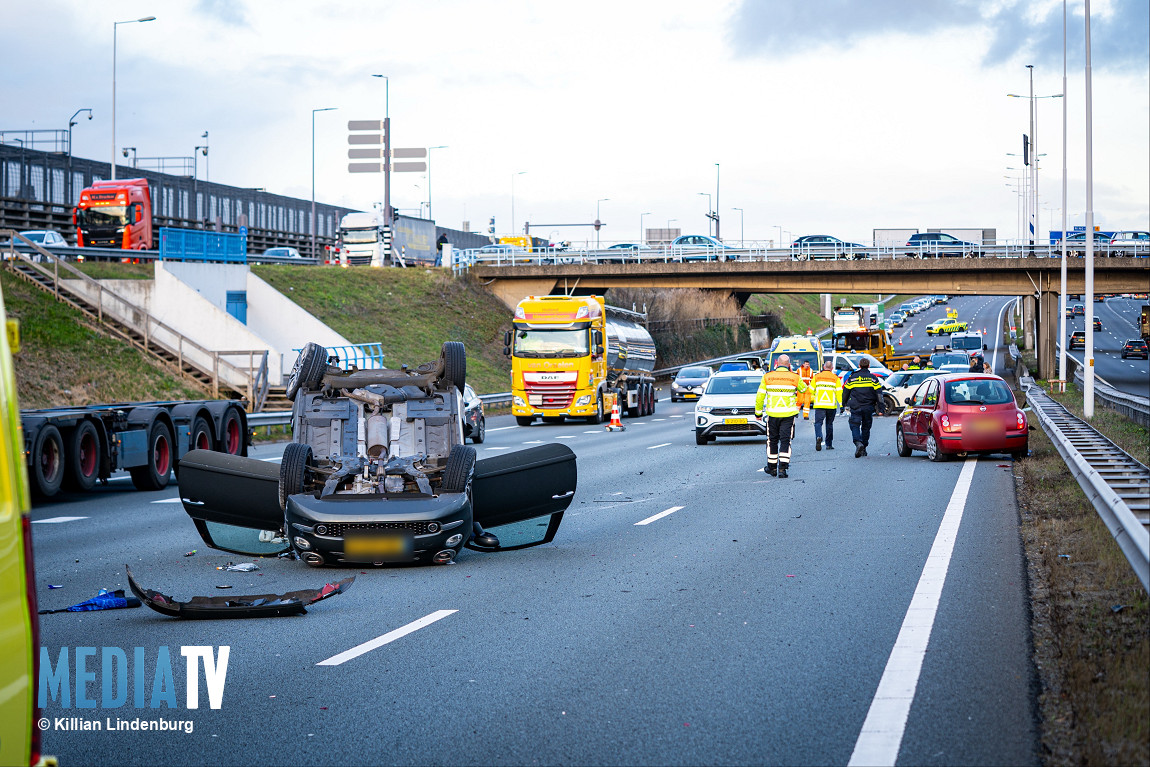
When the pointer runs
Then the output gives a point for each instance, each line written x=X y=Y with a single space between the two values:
x=827 y=392
x=804 y=398
x=777 y=399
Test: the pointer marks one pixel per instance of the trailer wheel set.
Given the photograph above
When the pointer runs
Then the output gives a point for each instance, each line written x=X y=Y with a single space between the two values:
x=74 y=448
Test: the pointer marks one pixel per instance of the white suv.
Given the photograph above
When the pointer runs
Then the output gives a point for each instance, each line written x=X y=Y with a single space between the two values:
x=727 y=407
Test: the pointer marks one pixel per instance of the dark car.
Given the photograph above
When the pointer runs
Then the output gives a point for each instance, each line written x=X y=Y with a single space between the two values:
x=1097 y=324
x=936 y=244
x=689 y=383
x=474 y=422
x=1078 y=339
x=734 y=365
x=959 y=414
x=1079 y=310
x=377 y=473
x=1134 y=347
x=824 y=246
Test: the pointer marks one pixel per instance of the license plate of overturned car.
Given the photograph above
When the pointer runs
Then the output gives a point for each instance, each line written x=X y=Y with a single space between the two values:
x=377 y=472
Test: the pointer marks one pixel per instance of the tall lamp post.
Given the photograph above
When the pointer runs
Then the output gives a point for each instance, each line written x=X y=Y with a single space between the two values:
x=1088 y=354
x=742 y=240
x=114 y=25
x=717 y=237
x=386 y=148
x=513 y=175
x=1032 y=201
x=314 y=254
x=441 y=146
x=642 y=234
x=195 y=194
x=597 y=222
x=71 y=122
x=207 y=161
x=1062 y=300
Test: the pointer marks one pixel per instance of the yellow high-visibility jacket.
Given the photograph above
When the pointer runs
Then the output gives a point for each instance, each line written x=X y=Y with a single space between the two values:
x=828 y=389
x=778 y=391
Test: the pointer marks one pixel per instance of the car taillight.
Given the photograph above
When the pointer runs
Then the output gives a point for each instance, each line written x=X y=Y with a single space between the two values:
x=948 y=426
x=1021 y=419
x=34 y=622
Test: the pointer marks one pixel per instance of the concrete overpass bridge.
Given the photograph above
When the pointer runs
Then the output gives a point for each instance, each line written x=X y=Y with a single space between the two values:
x=1036 y=279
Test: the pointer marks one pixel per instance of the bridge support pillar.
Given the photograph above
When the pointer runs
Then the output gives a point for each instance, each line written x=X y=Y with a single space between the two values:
x=1028 y=306
x=1047 y=333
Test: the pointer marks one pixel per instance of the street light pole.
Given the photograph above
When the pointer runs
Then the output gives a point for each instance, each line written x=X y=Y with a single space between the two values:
x=1033 y=163
x=597 y=222
x=717 y=237
x=513 y=175
x=208 y=161
x=642 y=234
x=72 y=121
x=742 y=239
x=1088 y=354
x=441 y=146
x=1062 y=300
x=114 y=25
x=314 y=254
x=386 y=148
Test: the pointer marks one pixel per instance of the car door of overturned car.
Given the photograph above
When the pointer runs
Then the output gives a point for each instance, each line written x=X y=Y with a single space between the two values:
x=377 y=473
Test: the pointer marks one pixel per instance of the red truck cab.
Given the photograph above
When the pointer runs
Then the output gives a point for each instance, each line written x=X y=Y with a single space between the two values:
x=115 y=214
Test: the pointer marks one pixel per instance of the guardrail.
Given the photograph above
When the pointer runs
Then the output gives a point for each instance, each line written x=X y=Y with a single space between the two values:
x=1117 y=485
x=464 y=259
x=74 y=254
x=1132 y=406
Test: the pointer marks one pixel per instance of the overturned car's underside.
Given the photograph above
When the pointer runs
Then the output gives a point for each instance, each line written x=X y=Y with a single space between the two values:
x=377 y=472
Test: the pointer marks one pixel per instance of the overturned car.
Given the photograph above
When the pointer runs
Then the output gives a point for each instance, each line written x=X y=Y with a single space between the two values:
x=377 y=473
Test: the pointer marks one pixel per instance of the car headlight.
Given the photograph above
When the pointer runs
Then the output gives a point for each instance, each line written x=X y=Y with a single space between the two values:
x=702 y=408
x=584 y=400
x=675 y=385
x=518 y=401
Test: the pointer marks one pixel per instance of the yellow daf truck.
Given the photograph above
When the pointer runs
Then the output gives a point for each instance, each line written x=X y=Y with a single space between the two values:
x=19 y=623
x=569 y=352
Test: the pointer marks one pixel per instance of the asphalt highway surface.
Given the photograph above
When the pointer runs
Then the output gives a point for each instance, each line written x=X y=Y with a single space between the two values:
x=691 y=610
x=1119 y=318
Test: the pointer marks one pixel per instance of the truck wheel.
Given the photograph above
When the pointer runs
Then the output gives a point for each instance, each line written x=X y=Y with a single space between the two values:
x=900 y=443
x=293 y=471
x=460 y=467
x=598 y=417
x=154 y=475
x=524 y=420
x=201 y=437
x=232 y=440
x=83 y=467
x=308 y=370
x=454 y=364
x=48 y=461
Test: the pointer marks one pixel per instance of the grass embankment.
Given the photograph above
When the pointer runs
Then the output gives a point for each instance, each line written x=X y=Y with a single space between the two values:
x=64 y=361
x=801 y=311
x=412 y=311
x=1090 y=615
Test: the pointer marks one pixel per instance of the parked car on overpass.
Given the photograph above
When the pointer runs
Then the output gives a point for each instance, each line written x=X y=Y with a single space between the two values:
x=1076 y=245
x=699 y=247
x=937 y=244
x=824 y=246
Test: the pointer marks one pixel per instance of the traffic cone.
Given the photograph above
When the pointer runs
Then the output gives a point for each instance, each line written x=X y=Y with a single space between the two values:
x=615 y=424
x=900 y=341
x=912 y=334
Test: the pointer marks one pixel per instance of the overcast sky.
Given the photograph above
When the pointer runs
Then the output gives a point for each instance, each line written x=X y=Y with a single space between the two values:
x=825 y=116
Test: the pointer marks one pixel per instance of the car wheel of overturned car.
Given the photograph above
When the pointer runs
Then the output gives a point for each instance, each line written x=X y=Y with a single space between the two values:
x=460 y=467
x=308 y=370
x=83 y=467
x=154 y=474
x=900 y=443
x=293 y=471
x=480 y=431
x=454 y=364
x=48 y=461
x=932 y=451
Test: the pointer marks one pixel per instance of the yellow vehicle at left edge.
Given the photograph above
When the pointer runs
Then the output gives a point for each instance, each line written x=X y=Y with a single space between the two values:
x=19 y=623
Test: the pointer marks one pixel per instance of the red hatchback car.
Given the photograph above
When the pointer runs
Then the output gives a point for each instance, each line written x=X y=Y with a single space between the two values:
x=962 y=413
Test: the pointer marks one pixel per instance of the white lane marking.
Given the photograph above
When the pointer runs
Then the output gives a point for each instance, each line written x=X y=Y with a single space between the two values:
x=592 y=431
x=387 y=638
x=497 y=448
x=652 y=447
x=676 y=416
x=168 y=500
x=665 y=399
x=278 y=459
x=882 y=732
x=534 y=442
x=55 y=520
x=660 y=515
x=504 y=428
x=638 y=423
x=658 y=419
x=998 y=337
x=567 y=436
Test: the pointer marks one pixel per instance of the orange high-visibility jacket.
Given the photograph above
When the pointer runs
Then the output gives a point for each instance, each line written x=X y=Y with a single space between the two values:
x=806 y=373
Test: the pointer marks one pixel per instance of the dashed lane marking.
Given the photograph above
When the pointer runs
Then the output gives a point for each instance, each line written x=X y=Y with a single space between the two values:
x=882 y=732
x=652 y=447
x=55 y=520
x=168 y=500
x=504 y=428
x=497 y=448
x=658 y=516
x=387 y=638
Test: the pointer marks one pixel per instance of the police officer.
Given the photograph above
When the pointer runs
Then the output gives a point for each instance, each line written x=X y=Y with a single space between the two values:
x=778 y=391
x=862 y=391
x=828 y=398
x=915 y=364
